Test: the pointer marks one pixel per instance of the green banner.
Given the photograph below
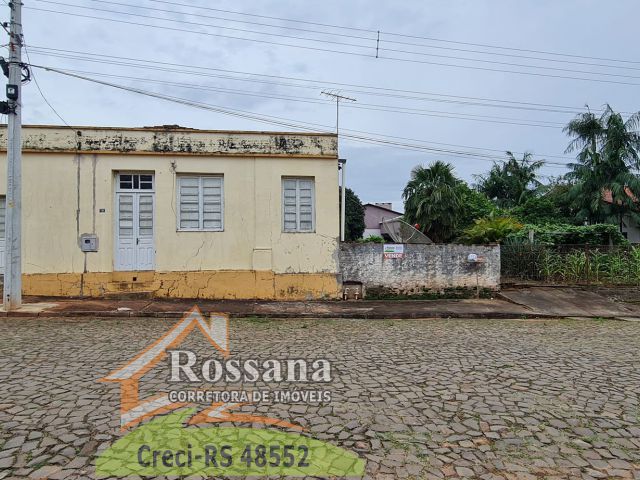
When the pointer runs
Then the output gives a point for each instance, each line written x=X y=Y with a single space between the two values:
x=165 y=446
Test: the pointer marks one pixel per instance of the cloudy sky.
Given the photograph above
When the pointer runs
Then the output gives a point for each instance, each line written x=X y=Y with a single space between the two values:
x=461 y=80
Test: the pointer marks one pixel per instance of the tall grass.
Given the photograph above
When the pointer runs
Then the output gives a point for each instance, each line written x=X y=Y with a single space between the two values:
x=599 y=265
x=616 y=267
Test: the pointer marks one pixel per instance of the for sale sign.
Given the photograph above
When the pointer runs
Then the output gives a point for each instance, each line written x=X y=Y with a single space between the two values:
x=393 y=250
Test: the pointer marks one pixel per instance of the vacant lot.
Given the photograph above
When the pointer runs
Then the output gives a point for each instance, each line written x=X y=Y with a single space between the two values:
x=415 y=398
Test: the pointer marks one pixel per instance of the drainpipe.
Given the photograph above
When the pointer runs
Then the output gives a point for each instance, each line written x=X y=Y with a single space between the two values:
x=342 y=165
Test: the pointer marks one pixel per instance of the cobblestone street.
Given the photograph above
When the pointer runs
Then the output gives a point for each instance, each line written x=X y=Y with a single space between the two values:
x=512 y=399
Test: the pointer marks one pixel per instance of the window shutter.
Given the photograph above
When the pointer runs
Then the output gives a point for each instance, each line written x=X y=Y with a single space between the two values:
x=189 y=202
x=211 y=203
x=145 y=215
x=290 y=205
x=201 y=203
x=298 y=205
x=305 y=205
x=125 y=217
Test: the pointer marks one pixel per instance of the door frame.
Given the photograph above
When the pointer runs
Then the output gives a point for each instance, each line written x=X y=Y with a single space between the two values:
x=116 y=212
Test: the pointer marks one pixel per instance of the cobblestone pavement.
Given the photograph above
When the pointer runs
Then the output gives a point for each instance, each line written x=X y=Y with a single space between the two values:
x=513 y=399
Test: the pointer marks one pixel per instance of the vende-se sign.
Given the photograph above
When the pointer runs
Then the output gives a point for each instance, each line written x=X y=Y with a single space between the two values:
x=393 y=250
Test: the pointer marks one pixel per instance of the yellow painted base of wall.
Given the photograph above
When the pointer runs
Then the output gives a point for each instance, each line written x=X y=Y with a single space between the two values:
x=263 y=285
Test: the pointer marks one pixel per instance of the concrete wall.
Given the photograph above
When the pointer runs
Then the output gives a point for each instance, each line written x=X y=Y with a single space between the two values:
x=424 y=267
x=69 y=189
x=371 y=232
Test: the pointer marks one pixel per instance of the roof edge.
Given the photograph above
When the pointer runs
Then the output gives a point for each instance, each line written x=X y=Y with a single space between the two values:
x=161 y=128
x=382 y=208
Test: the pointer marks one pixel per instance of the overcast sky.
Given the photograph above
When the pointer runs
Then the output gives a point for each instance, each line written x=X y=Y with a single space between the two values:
x=377 y=173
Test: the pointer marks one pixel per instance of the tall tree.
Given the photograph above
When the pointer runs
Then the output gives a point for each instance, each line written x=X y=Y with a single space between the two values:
x=433 y=199
x=354 y=215
x=513 y=182
x=476 y=206
x=607 y=158
x=549 y=206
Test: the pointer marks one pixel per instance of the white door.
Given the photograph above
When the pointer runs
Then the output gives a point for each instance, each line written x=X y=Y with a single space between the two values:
x=145 y=247
x=135 y=246
x=3 y=207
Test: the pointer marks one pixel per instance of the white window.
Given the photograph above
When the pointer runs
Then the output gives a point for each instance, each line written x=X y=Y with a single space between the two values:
x=200 y=203
x=298 y=205
x=135 y=181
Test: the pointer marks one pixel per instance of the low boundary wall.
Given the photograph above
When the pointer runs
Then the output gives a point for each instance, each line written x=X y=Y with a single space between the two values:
x=421 y=267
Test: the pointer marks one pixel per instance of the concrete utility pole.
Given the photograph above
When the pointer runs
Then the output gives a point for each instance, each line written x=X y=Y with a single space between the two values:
x=12 y=297
x=342 y=163
x=342 y=166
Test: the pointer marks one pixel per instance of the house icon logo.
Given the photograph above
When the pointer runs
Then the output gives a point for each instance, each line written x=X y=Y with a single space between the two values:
x=178 y=439
x=134 y=410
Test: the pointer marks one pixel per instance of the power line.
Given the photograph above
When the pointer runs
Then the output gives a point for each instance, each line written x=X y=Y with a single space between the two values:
x=362 y=106
x=395 y=34
x=223 y=90
x=42 y=93
x=376 y=39
x=200 y=15
x=514 y=49
x=234 y=112
x=315 y=84
x=359 y=54
x=200 y=24
x=277 y=120
x=333 y=42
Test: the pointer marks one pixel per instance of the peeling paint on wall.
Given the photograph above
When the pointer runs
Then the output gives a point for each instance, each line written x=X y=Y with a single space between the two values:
x=174 y=140
x=224 y=284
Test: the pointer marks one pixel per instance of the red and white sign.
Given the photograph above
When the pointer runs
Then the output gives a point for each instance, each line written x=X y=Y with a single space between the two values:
x=393 y=250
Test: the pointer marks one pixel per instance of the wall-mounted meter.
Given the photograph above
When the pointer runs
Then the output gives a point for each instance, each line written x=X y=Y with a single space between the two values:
x=12 y=92
x=89 y=242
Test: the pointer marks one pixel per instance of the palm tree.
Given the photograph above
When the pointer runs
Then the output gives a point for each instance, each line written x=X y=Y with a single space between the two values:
x=433 y=199
x=587 y=130
x=513 y=182
x=608 y=155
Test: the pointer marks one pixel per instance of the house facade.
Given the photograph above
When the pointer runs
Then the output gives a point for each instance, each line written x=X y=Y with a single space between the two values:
x=374 y=214
x=630 y=229
x=628 y=225
x=175 y=212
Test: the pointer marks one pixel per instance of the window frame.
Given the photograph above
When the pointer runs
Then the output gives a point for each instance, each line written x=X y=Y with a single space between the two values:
x=297 y=179
x=120 y=189
x=200 y=177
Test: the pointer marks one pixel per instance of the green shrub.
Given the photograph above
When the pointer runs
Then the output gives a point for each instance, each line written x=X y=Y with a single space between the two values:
x=371 y=239
x=565 y=234
x=490 y=230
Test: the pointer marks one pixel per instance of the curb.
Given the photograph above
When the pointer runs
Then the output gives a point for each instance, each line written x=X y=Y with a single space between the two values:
x=287 y=315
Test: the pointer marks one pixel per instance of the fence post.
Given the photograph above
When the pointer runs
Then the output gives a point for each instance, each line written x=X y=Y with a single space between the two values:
x=587 y=264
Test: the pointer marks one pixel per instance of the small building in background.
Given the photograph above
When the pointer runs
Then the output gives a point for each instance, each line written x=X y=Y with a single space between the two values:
x=374 y=215
x=629 y=227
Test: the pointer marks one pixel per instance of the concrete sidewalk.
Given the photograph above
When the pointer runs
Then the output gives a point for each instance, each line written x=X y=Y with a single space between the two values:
x=532 y=302
x=576 y=301
x=482 y=308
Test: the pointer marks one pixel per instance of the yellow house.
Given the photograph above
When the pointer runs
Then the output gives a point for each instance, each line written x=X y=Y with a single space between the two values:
x=176 y=212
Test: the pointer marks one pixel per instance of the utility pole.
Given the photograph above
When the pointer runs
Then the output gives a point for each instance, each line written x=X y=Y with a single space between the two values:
x=342 y=162
x=12 y=297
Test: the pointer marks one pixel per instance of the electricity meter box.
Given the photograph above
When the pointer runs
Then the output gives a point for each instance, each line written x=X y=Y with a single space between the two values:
x=89 y=242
